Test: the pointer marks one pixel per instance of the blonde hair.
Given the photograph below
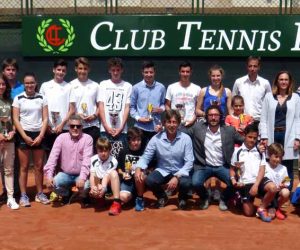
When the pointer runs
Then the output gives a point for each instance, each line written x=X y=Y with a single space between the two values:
x=221 y=70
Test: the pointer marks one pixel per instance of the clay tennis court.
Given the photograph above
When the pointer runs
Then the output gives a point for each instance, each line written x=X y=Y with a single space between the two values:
x=71 y=227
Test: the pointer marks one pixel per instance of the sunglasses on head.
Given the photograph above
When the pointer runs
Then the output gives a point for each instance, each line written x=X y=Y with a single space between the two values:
x=75 y=126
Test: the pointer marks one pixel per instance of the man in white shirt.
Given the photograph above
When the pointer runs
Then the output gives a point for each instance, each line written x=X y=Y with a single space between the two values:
x=182 y=95
x=114 y=105
x=83 y=99
x=252 y=88
x=57 y=93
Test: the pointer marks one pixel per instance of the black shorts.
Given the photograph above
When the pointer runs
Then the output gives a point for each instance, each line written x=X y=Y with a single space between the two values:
x=244 y=191
x=21 y=144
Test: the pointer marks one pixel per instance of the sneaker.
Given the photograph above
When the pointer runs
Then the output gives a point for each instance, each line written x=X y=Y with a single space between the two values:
x=86 y=201
x=204 y=204
x=139 y=204
x=272 y=213
x=182 y=204
x=42 y=198
x=263 y=214
x=279 y=215
x=24 y=201
x=162 y=201
x=115 y=208
x=222 y=205
x=12 y=204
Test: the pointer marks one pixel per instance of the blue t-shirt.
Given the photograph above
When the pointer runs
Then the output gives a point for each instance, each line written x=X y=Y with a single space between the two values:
x=17 y=89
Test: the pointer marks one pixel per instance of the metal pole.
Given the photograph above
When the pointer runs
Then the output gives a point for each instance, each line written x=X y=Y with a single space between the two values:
x=116 y=6
x=75 y=6
x=280 y=7
x=203 y=6
x=111 y=6
x=31 y=7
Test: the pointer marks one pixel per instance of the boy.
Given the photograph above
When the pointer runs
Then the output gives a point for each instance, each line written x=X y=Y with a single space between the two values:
x=57 y=92
x=250 y=164
x=278 y=174
x=114 y=99
x=127 y=160
x=83 y=98
x=103 y=173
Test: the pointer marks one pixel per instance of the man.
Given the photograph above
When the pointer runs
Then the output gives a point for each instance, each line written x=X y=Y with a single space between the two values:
x=213 y=147
x=57 y=92
x=72 y=151
x=114 y=104
x=252 y=88
x=147 y=102
x=10 y=69
x=183 y=95
x=174 y=152
x=83 y=99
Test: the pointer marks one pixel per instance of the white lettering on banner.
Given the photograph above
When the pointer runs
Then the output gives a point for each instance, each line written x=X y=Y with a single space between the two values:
x=297 y=42
x=187 y=33
x=224 y=37
x=207 y=40
x=157 y=39
x=275 y=40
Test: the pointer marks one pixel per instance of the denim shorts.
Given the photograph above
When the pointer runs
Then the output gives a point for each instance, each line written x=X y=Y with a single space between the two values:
x=128 y=186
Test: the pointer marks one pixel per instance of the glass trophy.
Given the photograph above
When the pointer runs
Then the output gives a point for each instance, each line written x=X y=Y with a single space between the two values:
x=150 y=109
x=114 y=116
x=181 y=109
x=4 y=124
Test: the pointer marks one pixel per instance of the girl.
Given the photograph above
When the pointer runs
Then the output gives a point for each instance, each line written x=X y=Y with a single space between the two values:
x=30 y=115
x=238 y=119
x=7 y=146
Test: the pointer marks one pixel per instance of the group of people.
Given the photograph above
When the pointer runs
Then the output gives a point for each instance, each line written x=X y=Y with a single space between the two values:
x=182 y=138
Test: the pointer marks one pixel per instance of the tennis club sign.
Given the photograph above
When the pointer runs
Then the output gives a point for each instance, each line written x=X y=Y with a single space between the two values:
x=275 y=36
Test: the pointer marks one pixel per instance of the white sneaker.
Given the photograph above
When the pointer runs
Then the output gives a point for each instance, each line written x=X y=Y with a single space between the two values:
x=12 y=204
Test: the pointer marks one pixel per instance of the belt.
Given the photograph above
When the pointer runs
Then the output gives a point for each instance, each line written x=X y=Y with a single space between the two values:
x=279 y=129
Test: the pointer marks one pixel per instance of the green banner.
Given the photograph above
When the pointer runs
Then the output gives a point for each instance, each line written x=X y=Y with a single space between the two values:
x=274 y=36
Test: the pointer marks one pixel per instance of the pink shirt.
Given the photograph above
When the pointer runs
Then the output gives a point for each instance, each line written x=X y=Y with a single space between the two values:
x=74 y=155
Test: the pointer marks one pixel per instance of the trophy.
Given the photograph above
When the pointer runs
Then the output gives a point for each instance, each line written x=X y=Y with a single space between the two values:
x=239 y=168
x=216 y=102
x=127 y=167
x=181 y=109
x=286 y=182
x=150 y=108
x=84 y=108
x=55 y=118
x=114 y=116
x=4 y=125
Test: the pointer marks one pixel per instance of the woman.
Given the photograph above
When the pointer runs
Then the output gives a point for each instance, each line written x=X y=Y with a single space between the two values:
x=280 y=120
x=214 y=94
x=30 y=119
x=7 y=146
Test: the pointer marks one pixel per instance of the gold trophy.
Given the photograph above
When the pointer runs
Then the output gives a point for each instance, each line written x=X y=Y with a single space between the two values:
x=127 y=168
x=84 y=108
x=150 y=109
x=181 y=109
x=4 y=124
x=239 y=169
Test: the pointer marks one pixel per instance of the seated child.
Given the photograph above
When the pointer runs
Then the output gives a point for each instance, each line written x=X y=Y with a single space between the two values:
x=250 y=164
x=103 y=174
x=278 y=174
x=238 y=119
x=127 y=159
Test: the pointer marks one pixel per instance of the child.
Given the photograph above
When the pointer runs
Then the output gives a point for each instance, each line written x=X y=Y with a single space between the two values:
x=238 y=119
x=251 y=165
x=127 y=159
x=277 y=173
x=103 y=173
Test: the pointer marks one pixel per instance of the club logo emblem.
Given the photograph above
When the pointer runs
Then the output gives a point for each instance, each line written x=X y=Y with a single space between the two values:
x=55 y=38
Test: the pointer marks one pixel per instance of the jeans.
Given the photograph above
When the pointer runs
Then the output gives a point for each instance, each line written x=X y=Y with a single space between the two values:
x=64 y=182
x=155 y=180
x=202 y=174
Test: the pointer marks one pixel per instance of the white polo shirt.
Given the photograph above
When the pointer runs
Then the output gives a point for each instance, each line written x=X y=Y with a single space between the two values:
x=253 y=94
x=31 y=111
x=252 y=160
x=100 y=168
x=114 y=97
x=85 y=93
x=58 y=99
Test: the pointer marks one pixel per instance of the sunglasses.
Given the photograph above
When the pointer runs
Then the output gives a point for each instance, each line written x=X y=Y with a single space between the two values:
x=75 y=126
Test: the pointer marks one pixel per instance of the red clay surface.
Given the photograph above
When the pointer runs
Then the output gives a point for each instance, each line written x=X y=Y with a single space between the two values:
x=71 y=227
